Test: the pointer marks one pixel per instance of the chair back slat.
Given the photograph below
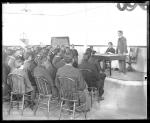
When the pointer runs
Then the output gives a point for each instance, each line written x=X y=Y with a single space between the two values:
x=68 y=88
x=133 y=54
x=43 y=86
x=17 y=83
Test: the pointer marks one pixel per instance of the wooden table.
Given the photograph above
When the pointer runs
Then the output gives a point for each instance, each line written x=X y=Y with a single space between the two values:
x=110 y=57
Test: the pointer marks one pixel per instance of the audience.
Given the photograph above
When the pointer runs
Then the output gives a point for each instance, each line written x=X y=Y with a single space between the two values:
x=50 y=63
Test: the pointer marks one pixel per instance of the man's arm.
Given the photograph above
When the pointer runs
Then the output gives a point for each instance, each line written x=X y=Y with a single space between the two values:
x=81 y=82
x=125 y=45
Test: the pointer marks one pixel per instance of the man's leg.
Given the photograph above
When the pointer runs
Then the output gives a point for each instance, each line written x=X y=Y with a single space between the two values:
x=120 y=66
x=101 y=84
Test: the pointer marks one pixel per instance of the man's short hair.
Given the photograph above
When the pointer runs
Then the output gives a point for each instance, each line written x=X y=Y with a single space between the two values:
x=120 y=31
x=68 y=58
x=110 y=43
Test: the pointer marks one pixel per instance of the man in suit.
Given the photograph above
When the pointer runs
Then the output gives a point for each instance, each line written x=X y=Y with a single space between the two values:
x=121 y=48
x=96 y=78
x=19 y=70
x=74 y=73
x=40 y=70
x=75 y=56
x=95 y=62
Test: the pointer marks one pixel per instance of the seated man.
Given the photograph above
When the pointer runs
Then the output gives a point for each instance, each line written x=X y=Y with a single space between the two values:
x=96 y=78
x=111 y=50
x=94 y=61
x=40 y=70
x=91 y=50
x=74 y=73
x=19 y=70
x=29 y=65
x=49 y=67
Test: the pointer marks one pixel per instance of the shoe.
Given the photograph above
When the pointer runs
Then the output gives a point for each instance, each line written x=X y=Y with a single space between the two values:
x=116 y=69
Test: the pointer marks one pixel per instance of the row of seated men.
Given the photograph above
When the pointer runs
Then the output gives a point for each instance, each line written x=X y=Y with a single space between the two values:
x=52 y=63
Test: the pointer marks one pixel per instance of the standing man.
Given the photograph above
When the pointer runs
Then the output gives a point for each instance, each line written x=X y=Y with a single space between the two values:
x=121 y=49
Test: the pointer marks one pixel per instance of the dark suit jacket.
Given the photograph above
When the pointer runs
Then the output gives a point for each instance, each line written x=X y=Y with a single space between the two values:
x=41 y=71
x=122 y=45
x=73 y=73
x=60 y=64
x=56 y=59
x=50 y=68
x=29 y=66
x=23 y=72
x=74 y=52
x=94 y=79
x=92 y=67
x=95 y=62
x=112 y=50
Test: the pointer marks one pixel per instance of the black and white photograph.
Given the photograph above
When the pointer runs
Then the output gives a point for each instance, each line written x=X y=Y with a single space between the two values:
x=74 y=61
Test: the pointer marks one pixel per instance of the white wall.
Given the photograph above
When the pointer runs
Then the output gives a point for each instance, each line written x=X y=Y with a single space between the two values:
x=97 y=26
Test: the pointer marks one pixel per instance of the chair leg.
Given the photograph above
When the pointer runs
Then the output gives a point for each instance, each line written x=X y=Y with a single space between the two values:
x=48 y=103
x=37 y=104
x=60 y=109
x=22 y=106
x=85 y=114
x=91 y=98
x=74 y=107
x=10 y=104
x=18 y=102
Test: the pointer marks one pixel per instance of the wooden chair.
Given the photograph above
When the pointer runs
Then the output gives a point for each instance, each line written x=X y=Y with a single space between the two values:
x=17 y=92
x=132 y=58
x=71 y=96
x=87 y=75
x=44 y=94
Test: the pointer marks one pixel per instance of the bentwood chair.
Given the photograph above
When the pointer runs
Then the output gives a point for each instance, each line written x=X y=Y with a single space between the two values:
x=17 y=92
x=132 y=58
x=88 y=77
x=70 y=97
x=44 y=94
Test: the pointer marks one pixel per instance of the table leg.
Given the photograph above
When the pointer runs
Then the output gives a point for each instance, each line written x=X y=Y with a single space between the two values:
x=124 y=66
x=110 y=67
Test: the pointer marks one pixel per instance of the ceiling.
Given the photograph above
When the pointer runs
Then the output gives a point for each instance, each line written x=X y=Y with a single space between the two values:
x=51 y=9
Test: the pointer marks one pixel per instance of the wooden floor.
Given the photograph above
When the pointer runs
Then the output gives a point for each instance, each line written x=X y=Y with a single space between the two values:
x=128 y=76
x=121 y=102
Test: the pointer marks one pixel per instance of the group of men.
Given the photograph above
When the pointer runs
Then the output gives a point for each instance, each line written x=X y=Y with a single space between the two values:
x=59 y=62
